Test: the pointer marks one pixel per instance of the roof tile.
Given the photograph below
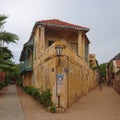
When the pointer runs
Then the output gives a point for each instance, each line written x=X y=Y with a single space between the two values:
x=61 y=24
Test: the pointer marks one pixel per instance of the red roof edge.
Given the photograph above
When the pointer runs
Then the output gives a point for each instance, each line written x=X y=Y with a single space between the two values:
x=62 y=24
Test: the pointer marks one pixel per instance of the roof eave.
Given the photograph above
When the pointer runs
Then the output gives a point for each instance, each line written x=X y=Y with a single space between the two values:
x=65 y=27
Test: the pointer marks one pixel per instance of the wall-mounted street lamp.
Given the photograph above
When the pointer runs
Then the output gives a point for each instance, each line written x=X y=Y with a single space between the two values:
x=59 y=52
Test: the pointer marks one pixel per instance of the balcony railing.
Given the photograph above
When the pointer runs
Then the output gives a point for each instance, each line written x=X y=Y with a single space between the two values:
x=26 y=66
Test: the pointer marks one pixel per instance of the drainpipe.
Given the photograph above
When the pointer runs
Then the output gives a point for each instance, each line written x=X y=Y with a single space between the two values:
x=68 y=83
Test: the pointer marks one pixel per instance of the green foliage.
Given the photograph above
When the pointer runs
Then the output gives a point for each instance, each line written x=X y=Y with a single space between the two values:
x=6 y=65
x=19 y=81
x=43 y=97
x=2 y=20
x=94 y=67
x=12 y=72
x=7 y=80
x=5 y=53
x=103 y=69
x=2 y=85
x=53 y=108
x=32 y=91
x=46 y=97
x=6 y=36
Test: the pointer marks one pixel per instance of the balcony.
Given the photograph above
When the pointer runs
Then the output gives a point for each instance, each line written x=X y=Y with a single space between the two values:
x=26 y=66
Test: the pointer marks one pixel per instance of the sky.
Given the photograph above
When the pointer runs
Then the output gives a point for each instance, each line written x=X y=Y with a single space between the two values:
x=101 y=16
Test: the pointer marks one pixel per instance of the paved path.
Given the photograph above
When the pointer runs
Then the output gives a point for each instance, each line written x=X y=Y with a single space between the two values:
x=96 y=105
x=10 y=105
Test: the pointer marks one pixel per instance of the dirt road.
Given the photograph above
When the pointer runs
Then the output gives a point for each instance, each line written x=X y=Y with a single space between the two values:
x=96 y=105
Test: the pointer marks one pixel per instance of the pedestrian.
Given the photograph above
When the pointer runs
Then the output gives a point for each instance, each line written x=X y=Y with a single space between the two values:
x=100 y=84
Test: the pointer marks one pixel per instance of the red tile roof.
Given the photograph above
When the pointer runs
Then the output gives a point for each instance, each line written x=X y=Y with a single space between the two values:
x=117 y=63
x=61 y=24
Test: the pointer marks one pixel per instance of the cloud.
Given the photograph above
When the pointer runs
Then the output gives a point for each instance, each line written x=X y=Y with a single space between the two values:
x=101 y=16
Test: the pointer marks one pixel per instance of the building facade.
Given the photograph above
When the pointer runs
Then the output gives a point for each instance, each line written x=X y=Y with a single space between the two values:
x=56 y=57
x=113 y=72
x=117 y=81
x=112 y=67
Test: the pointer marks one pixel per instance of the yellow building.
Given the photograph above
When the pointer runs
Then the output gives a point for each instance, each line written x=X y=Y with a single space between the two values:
x=56 y=57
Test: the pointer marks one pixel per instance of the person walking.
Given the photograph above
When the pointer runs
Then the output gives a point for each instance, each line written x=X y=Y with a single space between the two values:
x=100 y=83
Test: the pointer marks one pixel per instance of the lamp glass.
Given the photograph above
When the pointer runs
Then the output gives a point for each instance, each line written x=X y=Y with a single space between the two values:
x=59 y=50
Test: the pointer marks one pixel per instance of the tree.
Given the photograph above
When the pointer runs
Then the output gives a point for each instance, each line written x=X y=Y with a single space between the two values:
x=6 y=64
x=103 y=69
x=5 y=38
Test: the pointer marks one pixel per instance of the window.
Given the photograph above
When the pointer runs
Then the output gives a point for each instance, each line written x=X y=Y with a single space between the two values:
x=50 y=42
x=74 y=46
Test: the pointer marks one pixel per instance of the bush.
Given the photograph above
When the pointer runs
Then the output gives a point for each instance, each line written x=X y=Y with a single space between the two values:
x=35 y=93
x=7 y=80
x=53 y=108
x=46 y=98
x=32 y=91
x=2 y=85
x=19 y=82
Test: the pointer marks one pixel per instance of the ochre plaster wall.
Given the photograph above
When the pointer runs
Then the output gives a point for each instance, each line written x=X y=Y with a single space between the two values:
x=27 y=79
x=78 y=78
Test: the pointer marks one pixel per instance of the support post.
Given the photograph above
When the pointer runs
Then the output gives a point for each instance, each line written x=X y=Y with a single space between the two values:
x=58 y=100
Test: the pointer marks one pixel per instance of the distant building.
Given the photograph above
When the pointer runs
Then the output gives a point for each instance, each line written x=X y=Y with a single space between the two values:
x=113 y=72
x=57 y=57
x=117 y=81
x=2 y=77
x=116 y=64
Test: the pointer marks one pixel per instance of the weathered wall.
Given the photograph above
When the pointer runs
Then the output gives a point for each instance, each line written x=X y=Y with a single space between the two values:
x=76 y=76
x=60 y=35
x=117 y=82
x=79 y=79
x=27 y=79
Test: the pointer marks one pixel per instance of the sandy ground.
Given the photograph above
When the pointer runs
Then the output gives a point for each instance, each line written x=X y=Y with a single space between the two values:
x=96 y=105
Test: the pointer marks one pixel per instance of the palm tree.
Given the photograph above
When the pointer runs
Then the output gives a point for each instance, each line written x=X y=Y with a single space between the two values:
x=5 y=38
x=6 y=64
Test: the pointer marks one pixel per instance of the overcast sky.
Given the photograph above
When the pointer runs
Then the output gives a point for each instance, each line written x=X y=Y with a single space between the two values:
x=101 y=16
